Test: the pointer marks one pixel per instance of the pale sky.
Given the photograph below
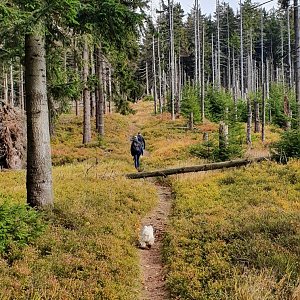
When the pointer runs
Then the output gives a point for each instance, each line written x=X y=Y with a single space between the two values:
x=209 y=6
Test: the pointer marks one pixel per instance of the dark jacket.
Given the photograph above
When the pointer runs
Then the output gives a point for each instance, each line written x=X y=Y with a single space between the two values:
x=136 y=147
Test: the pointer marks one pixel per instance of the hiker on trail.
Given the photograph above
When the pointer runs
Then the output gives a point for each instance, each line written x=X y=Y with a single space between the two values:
x=142 y=141
x=136 y=150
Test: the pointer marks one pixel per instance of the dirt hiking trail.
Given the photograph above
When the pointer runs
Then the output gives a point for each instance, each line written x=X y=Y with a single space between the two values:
x=153 y=275
x=151 y=266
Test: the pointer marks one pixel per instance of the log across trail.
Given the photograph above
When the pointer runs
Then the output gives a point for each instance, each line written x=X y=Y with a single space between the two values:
x=199 y=168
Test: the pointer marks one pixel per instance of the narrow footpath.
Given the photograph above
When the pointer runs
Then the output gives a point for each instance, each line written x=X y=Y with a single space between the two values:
x=153 y=276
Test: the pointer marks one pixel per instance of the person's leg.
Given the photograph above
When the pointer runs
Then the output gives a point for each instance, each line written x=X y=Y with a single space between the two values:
x=136 y=162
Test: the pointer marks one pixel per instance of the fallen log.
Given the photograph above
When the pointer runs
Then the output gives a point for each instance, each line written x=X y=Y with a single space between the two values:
x=205 y=167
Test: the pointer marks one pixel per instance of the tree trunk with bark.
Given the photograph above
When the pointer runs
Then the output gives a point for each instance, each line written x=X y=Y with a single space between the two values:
x=39 y=171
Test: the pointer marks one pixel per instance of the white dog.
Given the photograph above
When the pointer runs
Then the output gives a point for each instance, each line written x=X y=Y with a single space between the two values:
x=147 y=237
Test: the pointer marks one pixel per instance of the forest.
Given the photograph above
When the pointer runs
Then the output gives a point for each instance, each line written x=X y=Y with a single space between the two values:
x=217 y=99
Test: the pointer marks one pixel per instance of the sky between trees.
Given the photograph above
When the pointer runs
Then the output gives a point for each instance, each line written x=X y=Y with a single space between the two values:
x=209 y=6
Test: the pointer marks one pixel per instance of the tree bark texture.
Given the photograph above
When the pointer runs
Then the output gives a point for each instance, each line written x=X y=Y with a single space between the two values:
x=39 y=172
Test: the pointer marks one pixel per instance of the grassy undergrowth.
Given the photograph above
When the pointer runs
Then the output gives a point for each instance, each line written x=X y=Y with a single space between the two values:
x=87 y=249
x=243 y=232
x=236 y=234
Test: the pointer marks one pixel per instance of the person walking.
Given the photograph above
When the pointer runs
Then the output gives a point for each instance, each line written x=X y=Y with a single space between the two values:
x=136 y=150
x=142 y=141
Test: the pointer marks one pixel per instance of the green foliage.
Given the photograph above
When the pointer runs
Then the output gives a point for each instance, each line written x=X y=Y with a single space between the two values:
x=216 y=102
x=190 y=102
x=148 y=98
x=210 y=149
x=288 y=146
x=20 y=225
x=276 y=102
x=123 y=106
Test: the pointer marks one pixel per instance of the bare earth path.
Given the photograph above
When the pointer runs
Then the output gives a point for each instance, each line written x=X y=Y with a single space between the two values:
x=151 y=260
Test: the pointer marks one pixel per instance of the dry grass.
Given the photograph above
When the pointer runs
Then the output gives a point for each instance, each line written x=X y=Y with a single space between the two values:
x=88 y=250
x=235 y=234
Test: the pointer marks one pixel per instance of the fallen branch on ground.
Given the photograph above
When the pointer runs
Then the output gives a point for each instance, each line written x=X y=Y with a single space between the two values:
x=205 y=167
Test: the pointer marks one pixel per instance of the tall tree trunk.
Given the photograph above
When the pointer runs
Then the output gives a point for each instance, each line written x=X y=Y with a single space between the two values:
x=234 y=86
x=213 y=60
x=218 y=46
x=297 y=65
x=159 y=75
x=39 y=173
x=249 y=122
x=256 y=117
x=263 y=86
x=229 y=53
x=289 y=48
x=86 y=96
x=93 y=98
x=147 y=79
x=109 y=90
x=11 y=79
x=172 y=60
x=202 y=77
x=242 y=51
x=100 y=110
x=21 y=89
x=196 y=19
x=5 y=87
x=154 y=75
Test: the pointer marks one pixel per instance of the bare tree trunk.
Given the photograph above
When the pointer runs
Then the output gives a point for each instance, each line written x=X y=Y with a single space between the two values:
x=297 y=65
x=268 y=89
x=203 y=74
x=39 y=173
x=100 y=104
x=229 y=53
x=242 y=52
x=5 y=87
x=289 y=48
x=223 y=137
x=249 y=122
x=172 y=58
x=11 y=79
x=196 y=19
x=104 y=82
x=109 y=90
x=21 y=89
x=218 y=47
x=256 y=117
x=147 y=79
x=154 y=75
x=213 y=60
x=93 y=98
x=86 y=96
x=263 y=86
x=159 y=76
x=234 y=85
x=282 y=55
